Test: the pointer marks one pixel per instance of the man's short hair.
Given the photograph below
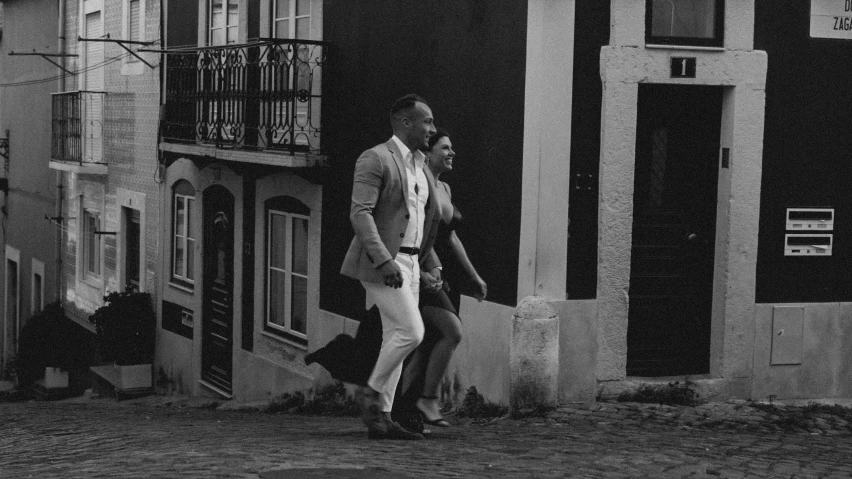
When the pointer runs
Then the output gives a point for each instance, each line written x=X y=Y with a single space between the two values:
x=405 y=103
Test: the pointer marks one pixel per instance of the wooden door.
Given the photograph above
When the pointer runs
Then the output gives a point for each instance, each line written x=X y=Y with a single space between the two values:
x=217 y=325
x=674 y=219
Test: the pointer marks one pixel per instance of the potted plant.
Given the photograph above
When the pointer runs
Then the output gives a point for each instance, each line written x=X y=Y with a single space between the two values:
x=125 y=332
x=49 y=347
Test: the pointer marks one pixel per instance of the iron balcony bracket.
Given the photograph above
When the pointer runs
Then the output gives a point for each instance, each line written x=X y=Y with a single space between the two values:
x=47 y=56
x=123 y=44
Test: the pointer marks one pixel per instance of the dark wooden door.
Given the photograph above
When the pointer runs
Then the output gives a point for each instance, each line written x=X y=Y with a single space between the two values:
x=217 y=325
x=674 y=224
x=132 y=245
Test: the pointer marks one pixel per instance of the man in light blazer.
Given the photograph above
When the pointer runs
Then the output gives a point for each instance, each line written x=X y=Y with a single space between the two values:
x=395 y=218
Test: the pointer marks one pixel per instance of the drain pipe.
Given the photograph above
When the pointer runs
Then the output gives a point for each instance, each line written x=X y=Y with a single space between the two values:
x=60 y=190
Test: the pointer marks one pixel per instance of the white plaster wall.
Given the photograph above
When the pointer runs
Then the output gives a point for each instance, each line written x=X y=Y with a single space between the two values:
x=482 y=357
x=826 y=355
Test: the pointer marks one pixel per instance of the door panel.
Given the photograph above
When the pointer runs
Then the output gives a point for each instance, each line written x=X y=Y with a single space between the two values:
x=674 y=221
x=217 y=335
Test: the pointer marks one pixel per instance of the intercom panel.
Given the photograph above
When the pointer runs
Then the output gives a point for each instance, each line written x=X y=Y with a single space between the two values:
x=801 y=244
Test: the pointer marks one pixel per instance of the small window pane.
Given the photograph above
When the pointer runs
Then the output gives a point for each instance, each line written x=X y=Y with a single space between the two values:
x=190 y=261
x=303 y=7
x=300 y=246
x=180 y=254
x=217 y=17
x=277 y=241
x=180 y=215
x=282 y=29
x=303 y=28
x=282 y=9
x=300 y=305
x=683 y=18
x=277 y=297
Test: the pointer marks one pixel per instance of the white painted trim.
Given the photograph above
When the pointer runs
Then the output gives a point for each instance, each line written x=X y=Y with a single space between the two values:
x=543 y=255
x=37 y=268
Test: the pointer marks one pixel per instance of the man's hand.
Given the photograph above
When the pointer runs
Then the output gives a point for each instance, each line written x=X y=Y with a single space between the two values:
x=429 y=283
x=392 y=274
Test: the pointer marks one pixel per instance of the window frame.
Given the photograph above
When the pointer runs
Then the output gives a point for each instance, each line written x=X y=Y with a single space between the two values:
x=289 y=213
x=226 y=26
x=92 y=244
x=131 y=64
x=292 y=17
x=186 y=280
x=716 y=41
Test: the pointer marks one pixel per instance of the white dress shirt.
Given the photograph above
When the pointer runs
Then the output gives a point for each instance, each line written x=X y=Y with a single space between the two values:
x=418 y=194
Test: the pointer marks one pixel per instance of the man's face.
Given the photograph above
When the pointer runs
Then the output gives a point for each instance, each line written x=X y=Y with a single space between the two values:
x=421 y=126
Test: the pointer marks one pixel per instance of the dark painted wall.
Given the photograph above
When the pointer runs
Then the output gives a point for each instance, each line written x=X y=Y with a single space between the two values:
x=590 y=34
x=807 y=153
x=467 y=58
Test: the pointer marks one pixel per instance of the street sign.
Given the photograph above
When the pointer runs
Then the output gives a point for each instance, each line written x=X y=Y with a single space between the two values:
x=831 y=19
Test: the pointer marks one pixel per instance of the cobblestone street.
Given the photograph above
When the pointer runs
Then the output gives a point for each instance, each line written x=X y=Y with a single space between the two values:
x=166 y=437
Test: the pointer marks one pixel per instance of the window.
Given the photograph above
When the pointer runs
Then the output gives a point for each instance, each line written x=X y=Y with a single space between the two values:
x=91 y=243
x=183 y=241
x=37 y=290
x=287 y=222
x=291 y=19
x=223 y=22
x=12 y=321
x=685 y=22
x=134 y=25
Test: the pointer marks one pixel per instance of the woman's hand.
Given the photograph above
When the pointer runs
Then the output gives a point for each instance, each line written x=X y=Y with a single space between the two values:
x=429 y=283
x=482 y=289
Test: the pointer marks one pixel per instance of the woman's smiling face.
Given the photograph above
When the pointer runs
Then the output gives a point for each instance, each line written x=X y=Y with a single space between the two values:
x=441 y=155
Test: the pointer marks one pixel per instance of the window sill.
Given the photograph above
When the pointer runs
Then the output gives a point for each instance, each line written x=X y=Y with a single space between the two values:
x=654 y=46
x=181 y=287
x=289 y=340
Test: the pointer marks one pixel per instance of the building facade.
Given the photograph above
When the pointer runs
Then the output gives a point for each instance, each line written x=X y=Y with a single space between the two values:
x=28 y=188
x=243 y=141
x=610 y=158
x=105 y=120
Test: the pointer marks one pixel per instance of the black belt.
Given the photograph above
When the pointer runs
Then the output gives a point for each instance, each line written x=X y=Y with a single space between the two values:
x=411 y=251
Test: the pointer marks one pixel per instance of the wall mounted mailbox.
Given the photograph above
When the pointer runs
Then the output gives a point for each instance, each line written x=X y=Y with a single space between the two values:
x=810 y=219
x=802 y=244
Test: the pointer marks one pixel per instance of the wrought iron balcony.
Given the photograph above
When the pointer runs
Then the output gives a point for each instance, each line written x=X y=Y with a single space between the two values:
x=77 y=132
x=259 y=97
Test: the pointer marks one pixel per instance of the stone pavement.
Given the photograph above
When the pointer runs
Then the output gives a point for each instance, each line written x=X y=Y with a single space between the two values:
x=178 y=437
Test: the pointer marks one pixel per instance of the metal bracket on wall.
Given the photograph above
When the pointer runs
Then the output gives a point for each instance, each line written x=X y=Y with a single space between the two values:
x=123 y=44
x=47 y=56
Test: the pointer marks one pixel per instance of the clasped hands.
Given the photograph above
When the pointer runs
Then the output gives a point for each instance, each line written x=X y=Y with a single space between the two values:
x=392 y=275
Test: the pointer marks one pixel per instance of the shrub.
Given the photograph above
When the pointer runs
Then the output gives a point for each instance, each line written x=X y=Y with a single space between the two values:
x=475 y=406
x=126 y=328
x=50 y=339
x=330 y=400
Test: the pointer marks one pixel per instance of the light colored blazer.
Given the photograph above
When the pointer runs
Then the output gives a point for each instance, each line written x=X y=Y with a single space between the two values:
x=379 y=214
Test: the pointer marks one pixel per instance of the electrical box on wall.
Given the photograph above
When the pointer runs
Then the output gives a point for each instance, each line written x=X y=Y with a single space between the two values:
x=796 y=244
x=810 y=219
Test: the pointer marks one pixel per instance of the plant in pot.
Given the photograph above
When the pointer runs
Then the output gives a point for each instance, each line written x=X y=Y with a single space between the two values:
x=50 y=346
x=125 y=332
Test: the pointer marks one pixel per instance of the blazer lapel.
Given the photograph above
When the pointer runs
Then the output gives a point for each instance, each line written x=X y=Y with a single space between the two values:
x=400 y=164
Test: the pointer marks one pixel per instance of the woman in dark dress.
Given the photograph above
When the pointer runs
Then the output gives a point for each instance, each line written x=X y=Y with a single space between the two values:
x=437 y=310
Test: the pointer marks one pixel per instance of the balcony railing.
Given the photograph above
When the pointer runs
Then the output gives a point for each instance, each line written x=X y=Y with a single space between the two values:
x=77 y=132
x=263 y=96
